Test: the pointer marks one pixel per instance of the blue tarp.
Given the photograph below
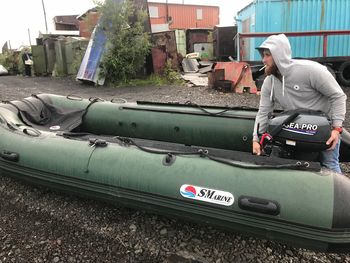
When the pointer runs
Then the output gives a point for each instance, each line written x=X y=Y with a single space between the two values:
x=90 y=69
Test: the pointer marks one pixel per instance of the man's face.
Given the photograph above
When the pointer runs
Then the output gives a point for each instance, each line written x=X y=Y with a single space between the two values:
x=268 y=62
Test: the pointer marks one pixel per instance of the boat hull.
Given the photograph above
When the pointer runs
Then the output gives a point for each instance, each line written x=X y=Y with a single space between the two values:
x=307 y=208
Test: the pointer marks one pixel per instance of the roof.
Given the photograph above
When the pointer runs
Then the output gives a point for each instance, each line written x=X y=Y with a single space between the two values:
x=81 y=17
x=247 y=6
x=58 y=33
x=174 y=4
x=66 y=20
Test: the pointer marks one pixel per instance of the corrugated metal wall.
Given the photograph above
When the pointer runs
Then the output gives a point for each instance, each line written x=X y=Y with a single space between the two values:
x=163 y=50
x=39 y=60
x=181 y=41
x=185 y=16
x=298 y=15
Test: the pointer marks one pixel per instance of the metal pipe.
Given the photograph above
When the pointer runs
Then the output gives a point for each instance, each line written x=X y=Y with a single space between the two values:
x=324 y=33
x=42 y=1
x=325 y=44
x=297 y=34
x=167 y=11
x=30 y=42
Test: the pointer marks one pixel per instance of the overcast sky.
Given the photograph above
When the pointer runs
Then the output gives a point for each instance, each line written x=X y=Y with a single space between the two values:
x=17 y=16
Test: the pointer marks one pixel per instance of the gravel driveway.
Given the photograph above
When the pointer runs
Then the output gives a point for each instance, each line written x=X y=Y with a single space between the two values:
x=38 y=225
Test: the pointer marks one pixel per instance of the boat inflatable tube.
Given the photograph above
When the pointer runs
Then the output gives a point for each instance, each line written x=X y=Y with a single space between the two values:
x=186 y=161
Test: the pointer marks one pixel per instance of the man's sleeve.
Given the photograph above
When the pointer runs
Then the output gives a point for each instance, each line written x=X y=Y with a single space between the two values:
x=265 y=107
x=325 y=83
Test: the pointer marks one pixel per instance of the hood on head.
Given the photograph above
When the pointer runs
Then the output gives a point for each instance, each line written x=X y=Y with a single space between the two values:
x=280 y=49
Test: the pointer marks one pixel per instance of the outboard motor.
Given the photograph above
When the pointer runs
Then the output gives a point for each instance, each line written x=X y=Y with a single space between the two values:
x=298 y=134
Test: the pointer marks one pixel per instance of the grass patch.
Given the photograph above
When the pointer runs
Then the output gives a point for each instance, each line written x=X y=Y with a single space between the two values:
x=152 y=80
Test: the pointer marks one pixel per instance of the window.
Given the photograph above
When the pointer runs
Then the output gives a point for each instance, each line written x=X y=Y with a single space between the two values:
x=153 y=11
x=199 y=14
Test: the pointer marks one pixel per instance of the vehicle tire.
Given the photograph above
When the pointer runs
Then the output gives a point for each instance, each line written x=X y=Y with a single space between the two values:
x=331 y=70
x=344 y=74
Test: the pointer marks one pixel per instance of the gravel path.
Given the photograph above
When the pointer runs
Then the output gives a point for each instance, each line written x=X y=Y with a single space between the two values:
x=38 y=225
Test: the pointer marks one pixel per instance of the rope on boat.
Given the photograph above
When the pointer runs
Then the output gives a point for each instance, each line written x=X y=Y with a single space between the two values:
x=205 y=153
x=88 y=162
x=297 y=165
x=129 y=141
x=94 y=143
x=217 y=113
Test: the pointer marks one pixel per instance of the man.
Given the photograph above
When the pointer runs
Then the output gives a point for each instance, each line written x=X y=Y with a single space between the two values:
x=27 y=62
x=297 y=84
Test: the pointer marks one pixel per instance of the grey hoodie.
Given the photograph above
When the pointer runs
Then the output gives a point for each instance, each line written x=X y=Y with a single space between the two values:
x=305 y=84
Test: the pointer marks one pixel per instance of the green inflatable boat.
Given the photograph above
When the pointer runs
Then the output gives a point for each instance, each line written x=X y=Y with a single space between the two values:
x=185 y=160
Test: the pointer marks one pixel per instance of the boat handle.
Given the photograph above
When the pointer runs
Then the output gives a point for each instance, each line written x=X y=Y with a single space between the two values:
x=74 y=97
x=114 y=100
x=259 y=205
x=9 y=156
x=31 y=132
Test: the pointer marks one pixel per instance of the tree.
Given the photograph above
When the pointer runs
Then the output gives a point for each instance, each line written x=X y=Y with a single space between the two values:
x=127 y=43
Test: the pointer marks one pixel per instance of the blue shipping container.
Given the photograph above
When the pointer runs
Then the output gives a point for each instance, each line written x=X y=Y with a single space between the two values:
x=297 y=16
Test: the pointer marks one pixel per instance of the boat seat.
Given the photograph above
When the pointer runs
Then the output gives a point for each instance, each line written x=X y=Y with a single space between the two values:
x=40 y=113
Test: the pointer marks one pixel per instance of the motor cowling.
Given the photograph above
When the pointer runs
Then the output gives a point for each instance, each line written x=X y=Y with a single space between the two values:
x=307 y=132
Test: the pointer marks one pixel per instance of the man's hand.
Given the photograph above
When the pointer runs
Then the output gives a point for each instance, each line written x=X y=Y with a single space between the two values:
x=333 y=140
x=256 y=148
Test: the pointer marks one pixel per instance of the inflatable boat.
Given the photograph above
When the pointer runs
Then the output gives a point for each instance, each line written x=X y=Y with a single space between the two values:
x=184 y=160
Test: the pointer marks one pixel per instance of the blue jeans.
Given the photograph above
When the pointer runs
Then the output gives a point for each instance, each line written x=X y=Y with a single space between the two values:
x=330 y=159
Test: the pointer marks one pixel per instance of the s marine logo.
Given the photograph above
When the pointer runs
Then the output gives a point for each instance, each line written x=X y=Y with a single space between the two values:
x=207 y=195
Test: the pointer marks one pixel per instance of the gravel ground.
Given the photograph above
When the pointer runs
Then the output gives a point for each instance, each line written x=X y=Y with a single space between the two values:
x=39 y=225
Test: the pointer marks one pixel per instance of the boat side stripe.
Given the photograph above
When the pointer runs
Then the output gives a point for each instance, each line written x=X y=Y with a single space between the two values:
x=210 y=213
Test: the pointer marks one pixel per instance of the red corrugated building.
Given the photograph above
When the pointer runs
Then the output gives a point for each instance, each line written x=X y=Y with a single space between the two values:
x=180 y=16
x=87 y=22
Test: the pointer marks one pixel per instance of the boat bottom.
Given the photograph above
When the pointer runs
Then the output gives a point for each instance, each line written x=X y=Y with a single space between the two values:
x=246 y=224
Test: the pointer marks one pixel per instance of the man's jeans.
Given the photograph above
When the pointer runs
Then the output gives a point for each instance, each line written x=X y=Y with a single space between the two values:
x=330 y=159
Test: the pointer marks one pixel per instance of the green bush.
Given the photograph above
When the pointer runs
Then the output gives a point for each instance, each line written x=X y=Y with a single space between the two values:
x=172 y=76
x=127 y=43
x=10 y=60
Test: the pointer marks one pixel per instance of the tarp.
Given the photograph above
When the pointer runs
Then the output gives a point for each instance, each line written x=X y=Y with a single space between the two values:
x=3 y=70
x=90 y=66
x=90 y=69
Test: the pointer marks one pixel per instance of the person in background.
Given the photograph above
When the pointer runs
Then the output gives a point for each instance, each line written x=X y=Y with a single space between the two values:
x=27 y=62
x=299 y=84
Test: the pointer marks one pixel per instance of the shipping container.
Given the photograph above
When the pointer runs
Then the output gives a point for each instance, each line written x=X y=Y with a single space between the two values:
x=297 y=16
x=180 y=16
